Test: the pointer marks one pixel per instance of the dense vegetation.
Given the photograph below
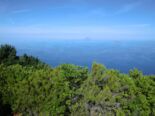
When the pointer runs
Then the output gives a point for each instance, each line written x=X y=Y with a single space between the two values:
x=30 y=87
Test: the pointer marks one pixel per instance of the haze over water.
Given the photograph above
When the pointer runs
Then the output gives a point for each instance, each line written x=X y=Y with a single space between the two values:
x=121 y=55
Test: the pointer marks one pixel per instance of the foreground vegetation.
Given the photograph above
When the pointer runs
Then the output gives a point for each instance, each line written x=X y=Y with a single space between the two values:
x=30 y=87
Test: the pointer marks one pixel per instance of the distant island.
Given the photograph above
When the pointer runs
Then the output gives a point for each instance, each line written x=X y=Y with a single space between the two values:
x=29 y=87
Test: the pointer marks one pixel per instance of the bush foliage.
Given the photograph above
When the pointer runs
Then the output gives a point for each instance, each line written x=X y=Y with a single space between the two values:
x=29 y=87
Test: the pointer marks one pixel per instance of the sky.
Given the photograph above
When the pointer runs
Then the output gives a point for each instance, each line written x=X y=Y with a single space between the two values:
x=77 y=19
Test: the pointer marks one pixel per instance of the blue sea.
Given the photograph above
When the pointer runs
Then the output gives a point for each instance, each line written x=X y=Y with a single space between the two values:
x=122 y=55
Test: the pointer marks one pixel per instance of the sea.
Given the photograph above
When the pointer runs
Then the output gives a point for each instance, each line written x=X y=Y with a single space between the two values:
x=122 y=55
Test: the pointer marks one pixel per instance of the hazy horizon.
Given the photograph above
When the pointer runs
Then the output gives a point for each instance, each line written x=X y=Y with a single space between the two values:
x=77 y=19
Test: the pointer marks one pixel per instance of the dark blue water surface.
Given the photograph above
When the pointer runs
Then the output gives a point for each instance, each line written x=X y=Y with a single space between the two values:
x=122 y=55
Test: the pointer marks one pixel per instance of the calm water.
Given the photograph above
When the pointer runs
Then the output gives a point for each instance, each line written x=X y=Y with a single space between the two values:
x=121 y=55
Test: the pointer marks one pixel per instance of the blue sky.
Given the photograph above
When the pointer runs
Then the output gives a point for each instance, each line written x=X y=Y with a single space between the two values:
x=77 y=19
